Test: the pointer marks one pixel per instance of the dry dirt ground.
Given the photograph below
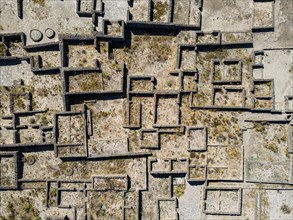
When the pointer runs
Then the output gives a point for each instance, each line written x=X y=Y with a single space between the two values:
x=146 y=109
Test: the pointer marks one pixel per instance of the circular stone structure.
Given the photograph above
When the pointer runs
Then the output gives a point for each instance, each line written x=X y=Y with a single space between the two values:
x=50 y=33
x=36 y=35
x=30 y=160
x=68 y=171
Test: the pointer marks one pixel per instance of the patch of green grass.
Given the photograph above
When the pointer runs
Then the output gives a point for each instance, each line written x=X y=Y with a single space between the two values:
x=220 y=54
x=1 y=109
x=265 y=204
x=248 y=59
x=101 y=114
x=157 y=48
x=286 y=209
x=19 y=103
x=135 y=139
x=2 y=49
x=272 y=147
x=30 y=210
x=233 y=153
x=34 y=105
x=217 y=75
x=106 y=76
x=42 y=92
x=22 y=209
x=52 y=197
x=44 y=121
x=287 y=152
x=259 y=127
x=103 y=47
x=40 y=2
x=160 y=48
x=11 y=212
x=91 y=83
x=179 y=190
x=57 y=88
x=160 y=9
